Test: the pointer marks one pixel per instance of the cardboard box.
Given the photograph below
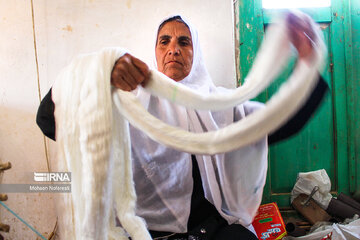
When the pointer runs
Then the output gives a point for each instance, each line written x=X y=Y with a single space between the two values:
x=268 y=223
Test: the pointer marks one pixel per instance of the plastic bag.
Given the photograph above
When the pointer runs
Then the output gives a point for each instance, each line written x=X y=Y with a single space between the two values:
x=336 y=231
x=306 y=182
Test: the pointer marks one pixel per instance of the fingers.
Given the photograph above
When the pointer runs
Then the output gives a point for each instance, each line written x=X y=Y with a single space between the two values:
x=143 y=68
x=301 y=34
x=119 y=81
x=128 y=73
x=140 y=65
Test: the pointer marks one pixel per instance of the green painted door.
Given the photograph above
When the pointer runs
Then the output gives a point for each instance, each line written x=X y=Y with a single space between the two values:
x=323 y=143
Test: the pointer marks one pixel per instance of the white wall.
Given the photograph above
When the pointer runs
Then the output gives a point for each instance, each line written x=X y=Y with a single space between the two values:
x=64 y=29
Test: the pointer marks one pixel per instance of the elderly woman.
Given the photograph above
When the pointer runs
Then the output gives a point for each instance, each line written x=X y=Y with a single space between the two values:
x=185 y=196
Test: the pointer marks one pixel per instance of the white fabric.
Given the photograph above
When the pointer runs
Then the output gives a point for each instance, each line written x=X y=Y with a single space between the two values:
x=307 y=181
x=82 y=99
x=337 y=231
x=234 y=136
x=94 y=141
x=228 y=184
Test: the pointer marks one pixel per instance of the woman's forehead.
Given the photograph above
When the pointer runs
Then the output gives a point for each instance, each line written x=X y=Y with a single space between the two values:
x=174 y=28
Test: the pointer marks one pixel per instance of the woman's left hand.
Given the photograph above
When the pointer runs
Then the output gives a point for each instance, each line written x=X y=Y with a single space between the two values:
x=301 y=35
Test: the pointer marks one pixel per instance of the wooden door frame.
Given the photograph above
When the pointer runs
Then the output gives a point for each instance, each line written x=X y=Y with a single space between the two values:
x=251 y=21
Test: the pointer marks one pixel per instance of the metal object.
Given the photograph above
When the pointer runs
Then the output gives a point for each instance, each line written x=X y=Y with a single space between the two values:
x=349 y=201
x=306 y=202
x=4 y=227
x=341 y=210
x=294 y=230
x=5 y=166
x=3 y=197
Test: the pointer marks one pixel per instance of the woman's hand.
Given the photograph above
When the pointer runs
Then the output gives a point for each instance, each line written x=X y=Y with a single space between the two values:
x=302 y=35
x=129 y=72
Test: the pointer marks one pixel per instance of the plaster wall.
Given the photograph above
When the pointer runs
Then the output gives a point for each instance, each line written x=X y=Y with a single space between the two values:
x=58 y=31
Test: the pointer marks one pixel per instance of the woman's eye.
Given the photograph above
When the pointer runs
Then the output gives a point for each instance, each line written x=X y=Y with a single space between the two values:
x=184 y=43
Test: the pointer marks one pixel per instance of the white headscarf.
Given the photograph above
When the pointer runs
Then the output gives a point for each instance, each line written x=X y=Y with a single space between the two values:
x=233 y=182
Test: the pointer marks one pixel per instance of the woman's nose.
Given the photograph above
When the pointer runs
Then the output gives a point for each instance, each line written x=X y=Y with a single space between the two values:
x=174 y=49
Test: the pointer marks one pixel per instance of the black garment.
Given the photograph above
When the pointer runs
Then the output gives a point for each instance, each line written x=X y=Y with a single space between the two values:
x=45 y=118
x=46 y=121
x=205 y=222
x=299 y=120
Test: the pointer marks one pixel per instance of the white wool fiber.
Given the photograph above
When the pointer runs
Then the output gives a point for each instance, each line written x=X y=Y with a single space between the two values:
x=93 y=135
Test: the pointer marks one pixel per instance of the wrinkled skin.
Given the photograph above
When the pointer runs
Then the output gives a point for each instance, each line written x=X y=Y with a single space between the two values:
x=174 y=50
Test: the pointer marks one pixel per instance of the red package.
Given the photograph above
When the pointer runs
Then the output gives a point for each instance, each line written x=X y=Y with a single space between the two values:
x=327 y=237
x=268 y=223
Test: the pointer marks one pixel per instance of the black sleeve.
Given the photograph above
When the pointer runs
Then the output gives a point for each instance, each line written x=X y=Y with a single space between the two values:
x=46 y=120
x=299 y=120
x=45 y=116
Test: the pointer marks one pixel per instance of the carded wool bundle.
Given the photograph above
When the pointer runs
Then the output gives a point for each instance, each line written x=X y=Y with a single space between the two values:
x=85 y=131
x=93 y=132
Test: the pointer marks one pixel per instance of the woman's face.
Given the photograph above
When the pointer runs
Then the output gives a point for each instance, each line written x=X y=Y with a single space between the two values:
x=174 y=50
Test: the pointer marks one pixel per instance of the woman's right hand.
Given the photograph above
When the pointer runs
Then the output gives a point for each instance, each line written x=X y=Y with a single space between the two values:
x=128 y=72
